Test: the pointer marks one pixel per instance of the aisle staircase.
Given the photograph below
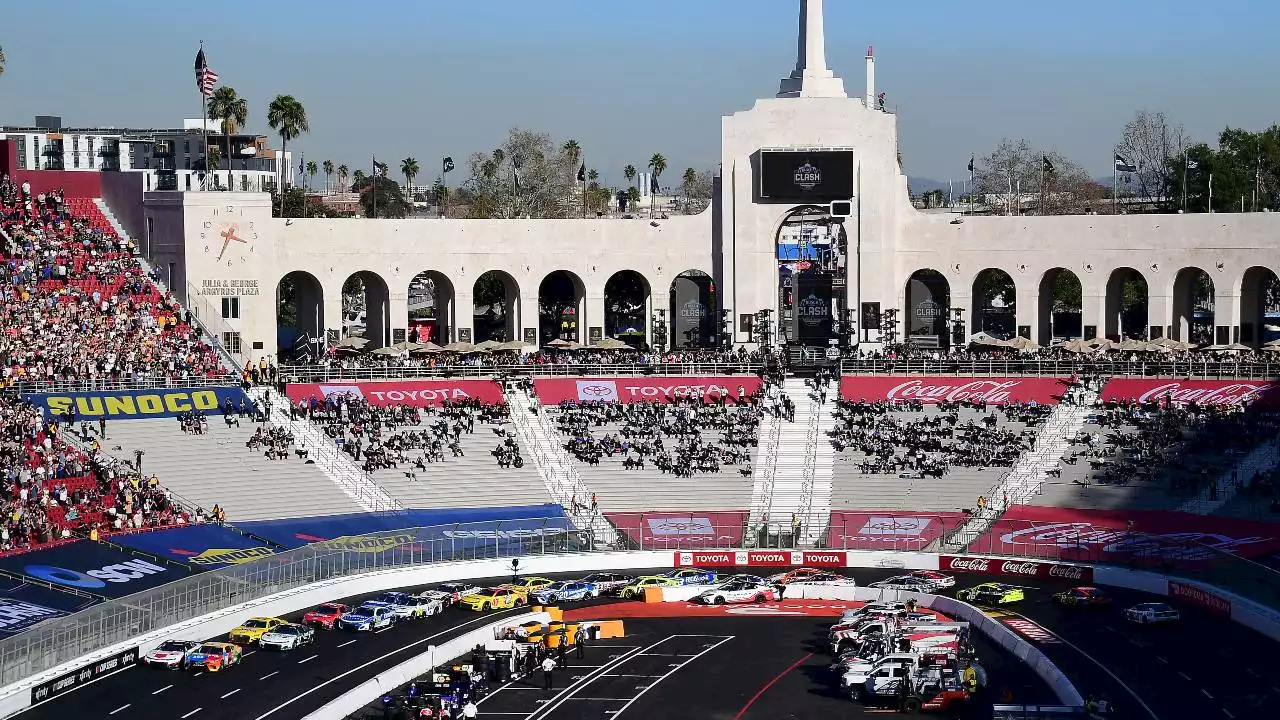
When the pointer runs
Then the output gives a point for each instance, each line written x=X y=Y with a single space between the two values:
x=340 y=467
x=555 y=466
x=1263 y=458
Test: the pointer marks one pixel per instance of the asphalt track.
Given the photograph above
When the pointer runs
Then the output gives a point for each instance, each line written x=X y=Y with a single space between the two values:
x=1205 y=667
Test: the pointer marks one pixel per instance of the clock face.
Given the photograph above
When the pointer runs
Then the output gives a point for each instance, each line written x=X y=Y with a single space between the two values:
x=229 y=242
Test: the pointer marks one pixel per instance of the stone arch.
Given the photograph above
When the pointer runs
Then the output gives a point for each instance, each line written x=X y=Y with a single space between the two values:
x=432 y=308
x=1060 y=311
x=626 y=307
x=1193 y=306
x=928 y=315
x=1128 y=297
x=365 y=300
x=1259 y=306
x=561 y=302
x=693 y=310
x=299 y=316
x=495 y=298
x=995 y=304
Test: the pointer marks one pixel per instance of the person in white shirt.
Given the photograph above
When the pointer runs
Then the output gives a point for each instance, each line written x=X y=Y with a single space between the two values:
x=548 y=666
x=470 y=710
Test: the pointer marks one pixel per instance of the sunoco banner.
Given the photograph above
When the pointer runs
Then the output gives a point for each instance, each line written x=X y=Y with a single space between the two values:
x=137 y=404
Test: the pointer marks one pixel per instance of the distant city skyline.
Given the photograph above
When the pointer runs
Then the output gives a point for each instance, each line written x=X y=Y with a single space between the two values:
x=399 y=78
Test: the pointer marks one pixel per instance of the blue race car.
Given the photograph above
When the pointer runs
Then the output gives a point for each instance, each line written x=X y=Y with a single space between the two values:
x=367 y=617
x=564 y=590
x=691 y=576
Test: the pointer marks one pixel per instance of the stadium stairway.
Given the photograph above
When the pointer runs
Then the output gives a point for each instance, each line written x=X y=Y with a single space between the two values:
x=556 y=467
x=800 y=465
x=1264 y=458
x=105 y=212
x=337 y=466
x=217 y=468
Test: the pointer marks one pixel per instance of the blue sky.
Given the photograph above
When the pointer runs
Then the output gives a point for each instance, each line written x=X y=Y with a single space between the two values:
x=429 y=78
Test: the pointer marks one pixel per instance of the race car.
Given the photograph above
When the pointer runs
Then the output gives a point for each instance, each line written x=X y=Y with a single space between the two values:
x=637 y=588
x=528 y=585
x=992 y=594
x=495 y=598
x=252 y=629
x=1149 y=613
x=742 y=578
x=935 y=579
x=565 y=590
x=214 y=656
x=287 y=637
x=824 y=579
x=451 y=593
x=738 y=592
x=325 y=616
x=170 y=654
x=691 y=576
x=793 y=575
x=367 y=617
x=607 y=583
x=1083 y=597
x=903 y=582
x=406 y=606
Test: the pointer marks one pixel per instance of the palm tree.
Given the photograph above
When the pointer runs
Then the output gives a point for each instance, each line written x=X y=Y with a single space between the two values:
x=312 y=169
x=658 y=164
x=358 y=177
x=328 y=174
x=629 y=172
x=686 y=185
x=380 y=169
x=234 y=111
x=573 y=151
x=286 y=116
x=343 y=173
x=593 y=176
x=409 y=168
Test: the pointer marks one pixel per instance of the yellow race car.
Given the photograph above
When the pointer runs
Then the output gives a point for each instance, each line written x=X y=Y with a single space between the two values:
x=496 y=598
x=253 y=629
x=528 y=585
x=636 y=589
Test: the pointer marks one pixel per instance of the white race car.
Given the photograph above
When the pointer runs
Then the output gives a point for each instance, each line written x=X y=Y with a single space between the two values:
x=288 y=637
x=738 y=592
x=1149 y=613
x=171 y=654
x=607 y=583
x=824 y=579
x=406 y=606
x=923 y=581
x=450 y=593
x=367 y=617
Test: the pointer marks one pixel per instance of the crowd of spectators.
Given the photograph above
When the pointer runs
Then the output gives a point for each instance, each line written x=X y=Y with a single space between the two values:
x=351 y=360
x=901 y=438
x=76 y=305
x=683 y=437
x=1103 y=362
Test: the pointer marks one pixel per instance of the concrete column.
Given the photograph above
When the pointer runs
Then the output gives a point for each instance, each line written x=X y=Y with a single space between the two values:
x=460 y=313
x=1226 y=312
x=527 y=316
x=1027 y=311
x=1160 y=312
x=590 y=314
x=398 y=319
x=1093 y=308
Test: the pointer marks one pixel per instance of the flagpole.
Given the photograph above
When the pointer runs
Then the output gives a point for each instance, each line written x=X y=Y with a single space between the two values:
x=204 y=130
x=374 y=187
x=302 y=167
x=1184 y=181
x=1115 y=187
x=1210 y=192
x=584 y=189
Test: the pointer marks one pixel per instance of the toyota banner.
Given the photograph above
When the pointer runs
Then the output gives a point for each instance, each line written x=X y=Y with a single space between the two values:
x=762 y=558
x=934 y=390
x=1222 y=393
x=414 y=393
x=552 y=391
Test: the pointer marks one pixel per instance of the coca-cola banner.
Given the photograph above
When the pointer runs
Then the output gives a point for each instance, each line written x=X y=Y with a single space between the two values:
x=888 y=529
x=1194 y=595
x=762 y=558
x=1077 y=574
x=1185 y=392
x=1124 y=536
x=933 y=390
x=415 y=393
x=552 y=391
x=676 y=530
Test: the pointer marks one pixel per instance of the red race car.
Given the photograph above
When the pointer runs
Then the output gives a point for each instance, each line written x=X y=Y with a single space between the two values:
x=1083 y=597
x=325 y=616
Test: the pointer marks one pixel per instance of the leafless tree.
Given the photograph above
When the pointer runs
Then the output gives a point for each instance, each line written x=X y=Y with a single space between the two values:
x=1016 y=175
x=529 y=176
x=1156 y=145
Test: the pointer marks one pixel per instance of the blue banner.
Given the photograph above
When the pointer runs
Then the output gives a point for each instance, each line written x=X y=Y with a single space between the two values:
x=23 y=605
x=93 y=568
x=137 y=404
x=204 y=547
x=296 y=532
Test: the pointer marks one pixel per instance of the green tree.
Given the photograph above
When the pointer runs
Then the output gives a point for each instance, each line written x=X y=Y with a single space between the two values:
x=593 y=176
x=409 y=168
x=343 y=173
x=528 y=176
x=629 y=172
x=381 y=168
x=658 y=165
x=358 y=179
x=312 y=169
x=233 y=110
x=297 y=203
x=287 y=117
x=573 y=151
x=389 y=196
x=328 y=174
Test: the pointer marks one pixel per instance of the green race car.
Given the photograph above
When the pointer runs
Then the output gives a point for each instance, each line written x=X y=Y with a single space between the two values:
x=992 y=594
x=635 y=591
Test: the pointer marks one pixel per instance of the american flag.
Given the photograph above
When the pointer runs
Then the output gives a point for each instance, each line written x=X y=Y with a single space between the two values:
x=205 y=77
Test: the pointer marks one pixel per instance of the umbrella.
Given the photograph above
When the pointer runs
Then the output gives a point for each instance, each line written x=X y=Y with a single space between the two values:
x=486 y=346
x=405 y=346
x=1076 y=346
x=351 y=343
x=612 y=344
x=1023 y=344
x=989 y=340
x=1104 y=344
x=457 y=347
x=513 y=346
x=1133 y=346
x=1272 y=344
x=1233 y=347
x=561 y=343
x=426 y=347
x=389 y=350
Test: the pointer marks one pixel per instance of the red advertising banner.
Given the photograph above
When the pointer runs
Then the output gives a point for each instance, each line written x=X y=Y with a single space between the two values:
x=888 y=529
x=681 y=530
x=762 y=558
x=1199 y=597
x=1185 y=392
x=416 y=393
x=1124 y=536
x=934 y=390
x=1079 y=574
x=552 y=391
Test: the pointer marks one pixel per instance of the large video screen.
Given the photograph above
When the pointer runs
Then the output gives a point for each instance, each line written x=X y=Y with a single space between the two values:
x=818 y=176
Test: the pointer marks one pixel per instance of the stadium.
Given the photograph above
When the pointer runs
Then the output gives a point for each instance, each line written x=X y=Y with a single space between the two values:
x=831 y=456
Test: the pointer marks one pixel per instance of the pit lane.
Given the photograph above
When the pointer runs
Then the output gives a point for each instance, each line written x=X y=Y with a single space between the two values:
x=1204 y=667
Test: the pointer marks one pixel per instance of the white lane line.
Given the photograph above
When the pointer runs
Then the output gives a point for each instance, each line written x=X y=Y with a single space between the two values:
x=1228 y=713
x=122 y=707
x=375 y=632
x=574 y=688
x=1184 y=675
x=483 y=618
x=198 y=674
x=1206 y=693
x=669 y=673
x=104 y=677
x=1161 y=659
x=193 y=712
x=632 y=676
x=249 y=653
x=601 y=699
x=1101 y=667
x=1251 y=671
x=233 y=692
x=313 y=657
x=273 y=672
x=157 y=692
x=346 y=643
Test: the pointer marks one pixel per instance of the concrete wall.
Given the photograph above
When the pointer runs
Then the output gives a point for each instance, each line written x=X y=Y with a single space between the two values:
x=122 y=191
